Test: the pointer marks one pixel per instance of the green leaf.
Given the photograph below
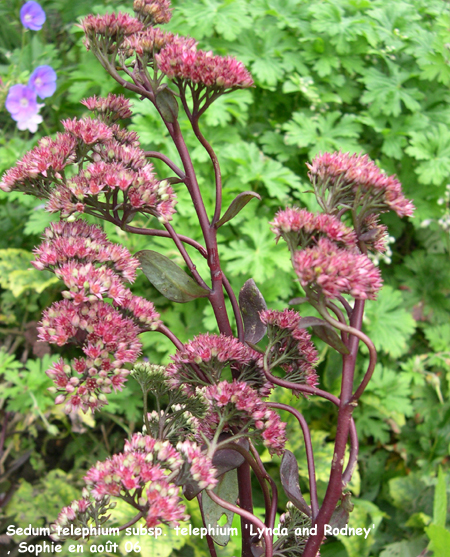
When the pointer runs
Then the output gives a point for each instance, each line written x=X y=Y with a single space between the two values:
x=237 y=205
x=440 y=500
x=329 y=132
x=226 y=489
x=18 y=276
x=388 y=323
x=169 y=279
x=433 y=147
x=168 y=105
x=440 y=539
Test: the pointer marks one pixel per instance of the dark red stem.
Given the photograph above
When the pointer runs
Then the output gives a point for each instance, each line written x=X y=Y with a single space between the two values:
x=335 y=485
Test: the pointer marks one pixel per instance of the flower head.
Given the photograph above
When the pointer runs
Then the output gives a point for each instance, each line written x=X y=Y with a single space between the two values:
x=300 y=228
x=241 y=407
x=357 y=179
x=32 y=16
x=102 y=31
x=291 y=346
x=211 y=353
x=109 y=109
x=334 y=271
x=43 y=81
x=180 y=59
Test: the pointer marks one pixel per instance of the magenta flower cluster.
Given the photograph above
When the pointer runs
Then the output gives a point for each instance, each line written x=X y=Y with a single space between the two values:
x=146 y=473
x=119 y=164
x=291 y=346
x=92 y=268
x=243 y=410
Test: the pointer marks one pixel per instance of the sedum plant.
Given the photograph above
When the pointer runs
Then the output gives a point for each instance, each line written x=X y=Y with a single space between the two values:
x=214 y=409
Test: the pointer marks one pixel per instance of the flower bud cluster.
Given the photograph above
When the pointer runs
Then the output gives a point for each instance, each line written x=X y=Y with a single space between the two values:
x=147 y=472
x=153 y=12
x=356 y=181
x=104 y=32
x=109 y=108
x=211 y=354
x=241 y=408
x=290 y=346
x=300 y=228
x=82 y=513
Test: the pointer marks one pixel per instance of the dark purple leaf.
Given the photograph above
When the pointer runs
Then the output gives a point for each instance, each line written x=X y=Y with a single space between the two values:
x=169 y=279
x=223 y=461
x=237 y=205
x=251 y=302
x=289 y=481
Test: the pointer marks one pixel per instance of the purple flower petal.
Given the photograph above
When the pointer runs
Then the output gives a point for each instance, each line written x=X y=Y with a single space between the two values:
x=43 y=81
x=32 y=16
x=21 y=102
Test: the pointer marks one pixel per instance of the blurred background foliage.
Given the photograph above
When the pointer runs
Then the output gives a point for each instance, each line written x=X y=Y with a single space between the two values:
x=356 y=75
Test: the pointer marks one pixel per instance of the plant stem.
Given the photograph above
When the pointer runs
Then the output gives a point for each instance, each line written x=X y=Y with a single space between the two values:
x=309 y=453
x=335 y=486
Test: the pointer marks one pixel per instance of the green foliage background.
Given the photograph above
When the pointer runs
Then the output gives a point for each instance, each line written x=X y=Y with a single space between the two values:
x=356 y=75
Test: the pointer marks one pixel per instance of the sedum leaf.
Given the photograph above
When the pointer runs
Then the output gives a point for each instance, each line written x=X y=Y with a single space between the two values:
x=226 y=489
x=251 y=302
x=169 y=279
x=237 y=205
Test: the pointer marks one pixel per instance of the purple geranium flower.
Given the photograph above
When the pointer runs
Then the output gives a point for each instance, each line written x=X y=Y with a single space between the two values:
x=32 y=16
x=21 y=102
x=43 y=81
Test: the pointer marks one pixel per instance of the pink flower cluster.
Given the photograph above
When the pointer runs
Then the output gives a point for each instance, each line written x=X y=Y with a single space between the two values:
x=110 y=108
x=147 y=472
x=334 y=271
x=243 y=409
x=291 y=345
x=201 y=468
x=356 y=177
x=116 y=165
x=92 y=268
x=300 y=228
x=37 y=170
x=78 y=240
x=108 y=341
x=211 y=353
x=148 y=41
x=181 y=60
x=153 y=12
x=147 y=466
x=77 y=513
